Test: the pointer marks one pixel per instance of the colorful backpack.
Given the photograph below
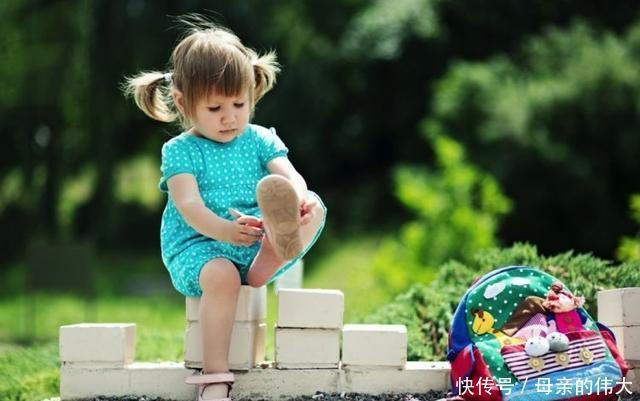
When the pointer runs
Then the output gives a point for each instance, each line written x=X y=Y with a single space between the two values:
x=519 y=335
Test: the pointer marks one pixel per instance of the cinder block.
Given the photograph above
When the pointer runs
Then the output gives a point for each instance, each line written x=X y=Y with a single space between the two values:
x=307 y=308
x=633 y=378
x=164 y=380
x=374 y=345
x=414 y=377
x=307 y=348
x=246 y=350
x=628 y=340
x=275 y=384
x=252 y=305
x=619 y=307
x=77 y=382
x=105 y=344
x=137 y=379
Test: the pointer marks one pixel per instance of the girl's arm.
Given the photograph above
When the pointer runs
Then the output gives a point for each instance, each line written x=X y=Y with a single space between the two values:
x=183 y=189
x=282 y=166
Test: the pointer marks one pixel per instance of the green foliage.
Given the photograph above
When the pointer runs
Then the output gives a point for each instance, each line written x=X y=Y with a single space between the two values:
x=555 y=122
x=457 y=207
x=379 y=29
x=349 y=267
x=30 y=373
x=629 y=248
x=358 y=77
x=427 y=309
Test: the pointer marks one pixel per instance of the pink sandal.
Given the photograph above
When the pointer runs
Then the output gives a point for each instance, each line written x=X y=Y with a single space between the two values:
x=280 y=209
x=203 y=380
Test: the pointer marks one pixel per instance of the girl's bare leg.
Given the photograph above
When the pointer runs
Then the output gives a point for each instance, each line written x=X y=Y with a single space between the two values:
x=220 y=283
x=266 y=262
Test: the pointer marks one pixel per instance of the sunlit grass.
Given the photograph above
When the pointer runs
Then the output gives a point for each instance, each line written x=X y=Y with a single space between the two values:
x=29 y=373
x=350 y=269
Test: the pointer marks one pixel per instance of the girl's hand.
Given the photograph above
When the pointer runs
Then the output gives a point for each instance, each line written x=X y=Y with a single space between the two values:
x=307 y=208
x=245 y=230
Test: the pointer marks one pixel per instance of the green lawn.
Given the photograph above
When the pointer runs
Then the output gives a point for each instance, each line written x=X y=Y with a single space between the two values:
x=31 y=371
x=349 y=269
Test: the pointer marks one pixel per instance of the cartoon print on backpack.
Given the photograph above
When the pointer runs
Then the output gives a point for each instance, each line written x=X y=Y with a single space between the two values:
x=483 y=322
x=558 y=340
x=519 y=324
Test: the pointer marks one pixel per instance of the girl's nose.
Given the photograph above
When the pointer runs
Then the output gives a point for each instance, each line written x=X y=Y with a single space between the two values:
x=228 y=118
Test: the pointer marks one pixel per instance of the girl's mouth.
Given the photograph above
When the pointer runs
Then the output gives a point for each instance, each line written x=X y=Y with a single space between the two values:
x=228 y=131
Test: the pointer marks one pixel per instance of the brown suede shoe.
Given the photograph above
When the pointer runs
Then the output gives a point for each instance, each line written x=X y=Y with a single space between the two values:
x=280 y=209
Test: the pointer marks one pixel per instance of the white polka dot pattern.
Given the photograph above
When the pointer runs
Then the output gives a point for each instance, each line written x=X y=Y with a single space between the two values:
x=227 y=175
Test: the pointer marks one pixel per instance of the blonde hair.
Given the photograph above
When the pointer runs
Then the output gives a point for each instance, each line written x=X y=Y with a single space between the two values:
x=209 y=58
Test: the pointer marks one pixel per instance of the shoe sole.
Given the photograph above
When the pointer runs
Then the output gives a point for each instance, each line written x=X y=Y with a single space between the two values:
x=278 y=202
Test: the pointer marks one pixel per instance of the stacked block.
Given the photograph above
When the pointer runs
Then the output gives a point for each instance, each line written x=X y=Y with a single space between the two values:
x=374 y=345
x=247 y=348
x=620 y=310
x=162 y=380
x=307 y=332
x=99 y=345
x=98 y=359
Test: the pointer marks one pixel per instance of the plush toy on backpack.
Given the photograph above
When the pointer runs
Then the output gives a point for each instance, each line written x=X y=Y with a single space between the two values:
x=563 y=305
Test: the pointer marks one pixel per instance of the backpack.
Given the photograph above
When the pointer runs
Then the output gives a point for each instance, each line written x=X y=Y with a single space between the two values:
x=513 y=339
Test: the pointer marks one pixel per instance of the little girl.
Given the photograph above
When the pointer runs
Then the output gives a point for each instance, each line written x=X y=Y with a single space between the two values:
x=237 y=211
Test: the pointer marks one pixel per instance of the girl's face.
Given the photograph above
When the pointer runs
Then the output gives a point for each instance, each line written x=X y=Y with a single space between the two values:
x=221 y=118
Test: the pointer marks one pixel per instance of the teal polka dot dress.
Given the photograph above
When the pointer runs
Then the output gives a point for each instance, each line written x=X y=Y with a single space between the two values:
x=227 y=175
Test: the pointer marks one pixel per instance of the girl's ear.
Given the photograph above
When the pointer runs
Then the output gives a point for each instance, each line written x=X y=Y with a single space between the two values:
x=178 y=99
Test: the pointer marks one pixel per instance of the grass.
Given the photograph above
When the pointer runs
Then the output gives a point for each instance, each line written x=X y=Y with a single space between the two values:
x=349 y=269
x=29 y=371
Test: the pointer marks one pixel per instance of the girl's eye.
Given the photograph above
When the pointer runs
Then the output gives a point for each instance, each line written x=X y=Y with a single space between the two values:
x=239 y=105
x=214 y=108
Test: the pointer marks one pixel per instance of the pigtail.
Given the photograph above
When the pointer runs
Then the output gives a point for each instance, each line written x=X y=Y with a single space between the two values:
x=265 y=68
x=151 y=96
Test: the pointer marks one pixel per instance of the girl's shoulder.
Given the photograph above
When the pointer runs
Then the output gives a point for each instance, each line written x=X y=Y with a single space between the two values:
x=182 y=140
x=260 y=132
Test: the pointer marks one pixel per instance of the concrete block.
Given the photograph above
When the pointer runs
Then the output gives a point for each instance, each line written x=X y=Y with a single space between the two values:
x=619 y=307
x=307 y=348
x=633 y=378
x=413 y=377
x=308 y=308
x=247 y=348
x=628 y=340
x=164 y=380
x=252 y=305
x=106 y=344
x=374 y=345
x=274 y=384
x=77 y=382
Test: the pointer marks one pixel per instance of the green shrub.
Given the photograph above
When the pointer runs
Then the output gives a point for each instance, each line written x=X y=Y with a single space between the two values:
x=427 y=310
x=457 y=208
x=555 y=121
x=30 y=373
x=629 y=248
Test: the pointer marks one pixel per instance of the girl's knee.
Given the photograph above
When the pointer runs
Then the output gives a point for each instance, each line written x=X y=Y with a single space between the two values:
x=219 y=275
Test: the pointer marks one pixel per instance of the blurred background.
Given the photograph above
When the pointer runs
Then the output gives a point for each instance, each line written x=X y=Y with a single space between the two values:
x=445 y=137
